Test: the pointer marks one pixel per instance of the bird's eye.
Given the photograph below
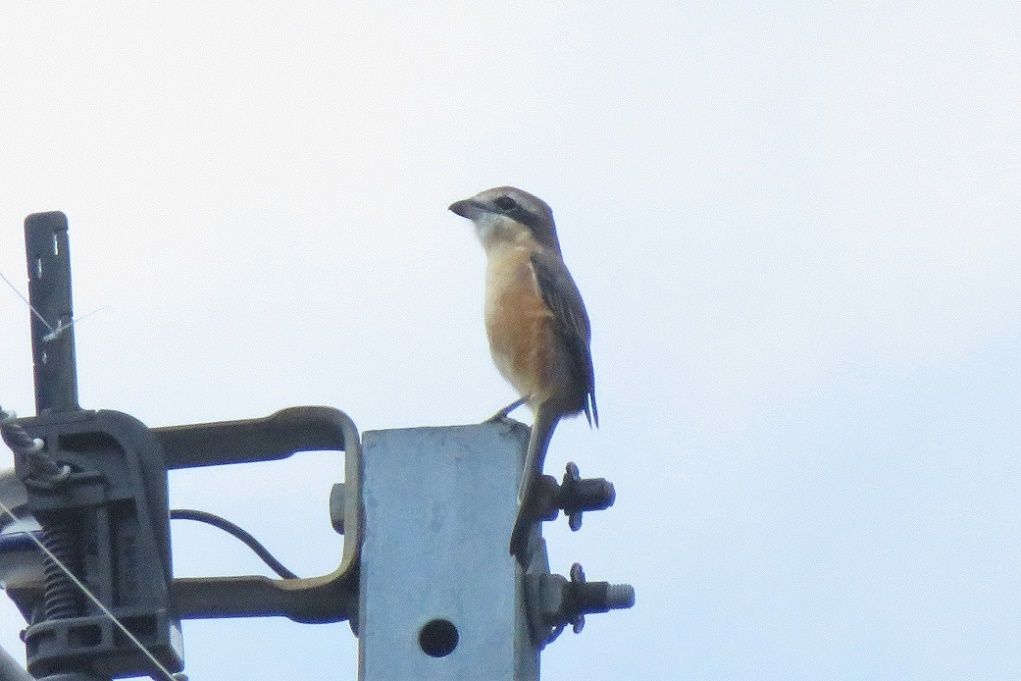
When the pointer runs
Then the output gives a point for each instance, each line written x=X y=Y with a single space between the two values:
x=506 y=203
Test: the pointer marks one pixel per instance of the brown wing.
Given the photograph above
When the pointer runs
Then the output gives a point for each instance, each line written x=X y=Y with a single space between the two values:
x=562 y=297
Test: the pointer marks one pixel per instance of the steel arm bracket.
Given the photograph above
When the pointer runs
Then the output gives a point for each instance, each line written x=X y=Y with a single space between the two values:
x=327 y=598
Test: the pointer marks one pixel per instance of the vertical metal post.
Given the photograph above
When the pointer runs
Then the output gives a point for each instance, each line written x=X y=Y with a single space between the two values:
x=441 y=599
x=49 y=292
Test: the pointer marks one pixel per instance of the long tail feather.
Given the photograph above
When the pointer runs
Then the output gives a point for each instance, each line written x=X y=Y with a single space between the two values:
x=546 y=420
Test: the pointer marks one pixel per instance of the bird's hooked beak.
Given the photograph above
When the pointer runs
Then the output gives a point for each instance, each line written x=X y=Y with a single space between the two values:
x=468 y=208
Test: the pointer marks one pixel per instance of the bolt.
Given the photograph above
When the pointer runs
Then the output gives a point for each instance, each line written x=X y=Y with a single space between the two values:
x=337 y=503
x=620 y=596
x=577 y=495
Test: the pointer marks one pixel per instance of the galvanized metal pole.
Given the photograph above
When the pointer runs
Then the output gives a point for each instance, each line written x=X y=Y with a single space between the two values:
x=441 y=599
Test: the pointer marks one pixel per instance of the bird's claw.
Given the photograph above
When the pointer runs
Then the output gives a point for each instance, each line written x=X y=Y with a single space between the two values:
x=503 y=416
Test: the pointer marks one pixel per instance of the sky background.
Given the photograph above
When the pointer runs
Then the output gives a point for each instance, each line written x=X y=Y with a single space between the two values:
x=797 y=229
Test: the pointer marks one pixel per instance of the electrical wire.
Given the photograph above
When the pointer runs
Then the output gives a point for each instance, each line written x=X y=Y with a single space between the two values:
x=238 y=533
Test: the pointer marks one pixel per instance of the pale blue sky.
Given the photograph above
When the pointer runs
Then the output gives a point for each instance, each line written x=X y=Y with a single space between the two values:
x=796 y=229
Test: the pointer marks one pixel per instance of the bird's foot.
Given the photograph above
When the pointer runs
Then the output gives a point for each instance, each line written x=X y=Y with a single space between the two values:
x=503 y=415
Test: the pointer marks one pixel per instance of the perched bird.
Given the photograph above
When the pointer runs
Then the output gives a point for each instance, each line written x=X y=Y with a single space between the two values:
x=536 y=323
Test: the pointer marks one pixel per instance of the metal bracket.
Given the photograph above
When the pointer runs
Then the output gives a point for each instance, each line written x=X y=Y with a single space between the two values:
x=328 y=598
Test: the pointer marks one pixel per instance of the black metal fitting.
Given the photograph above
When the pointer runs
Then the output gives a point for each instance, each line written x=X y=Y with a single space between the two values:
x=577 y=495
x=96 y=483
x=104 y=520
x=554 y=602
x=574 y=496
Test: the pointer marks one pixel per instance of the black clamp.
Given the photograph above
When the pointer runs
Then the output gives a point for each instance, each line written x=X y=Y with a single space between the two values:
x=574 y=495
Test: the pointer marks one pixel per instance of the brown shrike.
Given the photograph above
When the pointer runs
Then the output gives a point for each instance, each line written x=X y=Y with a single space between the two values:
x=537 y=326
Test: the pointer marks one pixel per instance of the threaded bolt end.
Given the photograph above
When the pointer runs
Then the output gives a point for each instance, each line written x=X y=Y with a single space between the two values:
x=620 y=596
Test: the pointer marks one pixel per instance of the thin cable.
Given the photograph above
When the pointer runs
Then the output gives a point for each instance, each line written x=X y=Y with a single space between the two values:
x=237 y=532
x=88 y=314
x=34 y=311
x=61 y=327
x=85 y=590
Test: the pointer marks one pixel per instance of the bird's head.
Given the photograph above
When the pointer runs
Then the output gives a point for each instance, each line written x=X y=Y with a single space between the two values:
x=509 y=215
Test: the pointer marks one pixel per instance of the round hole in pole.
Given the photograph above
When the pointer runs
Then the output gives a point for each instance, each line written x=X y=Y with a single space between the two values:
x=438 y=638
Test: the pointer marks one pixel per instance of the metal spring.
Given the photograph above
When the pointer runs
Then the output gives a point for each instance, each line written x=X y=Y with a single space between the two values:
x=62 y=598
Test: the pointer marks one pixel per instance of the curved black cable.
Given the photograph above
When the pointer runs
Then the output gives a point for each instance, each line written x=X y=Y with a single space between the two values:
x=232 y=529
